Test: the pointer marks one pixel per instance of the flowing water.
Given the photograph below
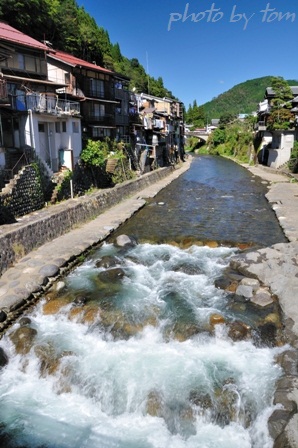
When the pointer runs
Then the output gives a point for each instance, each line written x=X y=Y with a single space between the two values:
x=215 y=200
x=125 y=354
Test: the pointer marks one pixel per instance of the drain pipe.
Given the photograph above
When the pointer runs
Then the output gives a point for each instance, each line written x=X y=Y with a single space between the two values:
x=32 y=140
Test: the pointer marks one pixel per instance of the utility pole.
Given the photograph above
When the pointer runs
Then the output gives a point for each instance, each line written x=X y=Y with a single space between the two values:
x=147 y=73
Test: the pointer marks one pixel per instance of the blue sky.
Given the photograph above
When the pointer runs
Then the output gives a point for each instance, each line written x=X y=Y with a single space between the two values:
x=202 y=48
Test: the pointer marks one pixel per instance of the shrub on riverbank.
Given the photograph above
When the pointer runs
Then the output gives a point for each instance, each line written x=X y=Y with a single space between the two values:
x=293 y=162
x=233 y=140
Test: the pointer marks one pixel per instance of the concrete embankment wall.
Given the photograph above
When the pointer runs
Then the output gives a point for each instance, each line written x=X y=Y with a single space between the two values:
x=34 y=230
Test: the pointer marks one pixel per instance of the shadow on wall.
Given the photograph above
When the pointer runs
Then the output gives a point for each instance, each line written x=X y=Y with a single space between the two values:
x=6 y=217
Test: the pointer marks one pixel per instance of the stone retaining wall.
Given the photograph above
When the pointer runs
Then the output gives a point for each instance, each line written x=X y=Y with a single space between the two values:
x=34 y=230
x=23 y=194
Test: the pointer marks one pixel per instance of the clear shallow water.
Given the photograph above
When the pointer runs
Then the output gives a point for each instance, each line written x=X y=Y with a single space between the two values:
x=215 y=200
x=131 y=360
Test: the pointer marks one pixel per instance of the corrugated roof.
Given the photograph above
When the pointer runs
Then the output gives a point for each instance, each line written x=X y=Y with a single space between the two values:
x=74 y=61
x=10 y=34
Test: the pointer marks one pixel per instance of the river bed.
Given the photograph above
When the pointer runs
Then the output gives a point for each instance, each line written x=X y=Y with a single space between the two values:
x=126 y=353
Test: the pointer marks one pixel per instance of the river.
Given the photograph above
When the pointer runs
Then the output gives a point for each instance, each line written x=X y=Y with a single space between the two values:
x=125 y=355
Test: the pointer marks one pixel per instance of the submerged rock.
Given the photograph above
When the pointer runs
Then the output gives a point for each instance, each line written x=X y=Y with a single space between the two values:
x=124 y=241
x=212 y=244
x=107 y=261
x=154 y=405
x=48 y=359
x=267 y=333
x=183 y=331
x=216 y=319
x=80 y=300
x=91 y=315
x=23 y=339
x=3 y=316
x=227 y=403
x=54 y=306
x=25 y=321
x=3 y=358
x=222 y=282
x=110 y=275
x=238 y=331
x=200 y=400
x=60 y=286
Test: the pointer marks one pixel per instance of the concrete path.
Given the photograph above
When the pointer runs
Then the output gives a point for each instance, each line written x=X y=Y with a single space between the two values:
x=277 y=266
x=283 y=196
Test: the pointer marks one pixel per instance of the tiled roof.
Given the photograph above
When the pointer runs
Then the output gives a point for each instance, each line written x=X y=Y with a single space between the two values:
x=10 y=34
x=74 y=61
x=270 y=91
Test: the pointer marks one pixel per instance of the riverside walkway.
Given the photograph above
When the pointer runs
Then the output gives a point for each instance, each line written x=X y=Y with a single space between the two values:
x=277 y=267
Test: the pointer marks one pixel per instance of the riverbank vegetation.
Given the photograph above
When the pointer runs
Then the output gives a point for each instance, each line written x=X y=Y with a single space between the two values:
x=233 y=138
x=293 y=162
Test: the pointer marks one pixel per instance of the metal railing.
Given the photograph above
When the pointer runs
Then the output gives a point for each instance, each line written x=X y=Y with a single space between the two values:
x=44 y=103
x=25 y=159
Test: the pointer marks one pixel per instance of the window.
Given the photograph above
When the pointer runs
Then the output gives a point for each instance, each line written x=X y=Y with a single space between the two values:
x=21 y=61
x=97 y=88
x=101 y=132
x=57 y=127
x=75 y=127
x=30 y=63
x=99 y=110
x=63 y=126
x=41 y=127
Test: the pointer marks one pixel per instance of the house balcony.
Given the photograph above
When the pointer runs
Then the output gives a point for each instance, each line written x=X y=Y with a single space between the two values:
x=135 y=119
x=66 y=107
x=107 y=120
x=121 y=119
x=105 y=94
x=47 y=104
x=122 y=94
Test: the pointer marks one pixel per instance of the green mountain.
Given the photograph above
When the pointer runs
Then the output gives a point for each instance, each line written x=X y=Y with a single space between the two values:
x=241 y=99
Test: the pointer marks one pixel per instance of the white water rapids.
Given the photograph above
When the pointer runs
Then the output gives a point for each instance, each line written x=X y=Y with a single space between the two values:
x=150 y=388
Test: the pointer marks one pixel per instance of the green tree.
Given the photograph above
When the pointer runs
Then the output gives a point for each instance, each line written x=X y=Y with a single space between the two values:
x=225 y=119
x=218 y=137
x=31 y=17
x=116 y=53
x=195 y=115
x=234 y=140
x=281 y=116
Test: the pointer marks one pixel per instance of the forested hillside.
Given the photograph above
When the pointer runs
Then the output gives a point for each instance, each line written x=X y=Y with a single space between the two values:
x=242 y=98
x=70 y=28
